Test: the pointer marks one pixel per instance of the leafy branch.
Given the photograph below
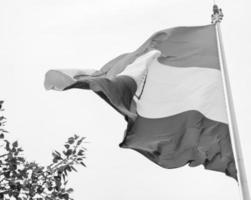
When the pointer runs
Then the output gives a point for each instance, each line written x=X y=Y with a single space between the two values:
x=24 y=180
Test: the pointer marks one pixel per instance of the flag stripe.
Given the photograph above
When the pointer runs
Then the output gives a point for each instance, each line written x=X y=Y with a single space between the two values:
x=171 y=90
x=179 y=47
x=188 y=46
x=188 y=137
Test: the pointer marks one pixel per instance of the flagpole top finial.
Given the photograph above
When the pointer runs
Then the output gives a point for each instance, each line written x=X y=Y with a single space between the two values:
x=217 y=15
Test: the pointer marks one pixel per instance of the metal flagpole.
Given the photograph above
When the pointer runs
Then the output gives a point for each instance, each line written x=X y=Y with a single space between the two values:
x=235 y=139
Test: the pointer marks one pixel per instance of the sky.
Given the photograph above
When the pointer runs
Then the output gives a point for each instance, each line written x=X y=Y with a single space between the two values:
x=38 y=35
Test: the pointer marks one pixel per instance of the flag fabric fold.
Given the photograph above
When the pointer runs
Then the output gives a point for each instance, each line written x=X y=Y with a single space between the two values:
x=171 y=93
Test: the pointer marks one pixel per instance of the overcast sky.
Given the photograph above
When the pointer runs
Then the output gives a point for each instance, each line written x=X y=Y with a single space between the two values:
x=38 y=35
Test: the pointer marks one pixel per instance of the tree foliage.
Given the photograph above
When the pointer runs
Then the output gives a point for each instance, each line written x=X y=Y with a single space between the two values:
x=24 y=180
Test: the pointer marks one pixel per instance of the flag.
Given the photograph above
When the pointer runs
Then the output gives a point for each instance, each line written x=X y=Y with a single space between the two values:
x=170 y=92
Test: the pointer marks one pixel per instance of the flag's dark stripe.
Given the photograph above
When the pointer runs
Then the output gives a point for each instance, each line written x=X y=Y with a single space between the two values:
x=171 y=142
x=179 y=47
x=185 y=138
x=118 y=92
x=188 y=47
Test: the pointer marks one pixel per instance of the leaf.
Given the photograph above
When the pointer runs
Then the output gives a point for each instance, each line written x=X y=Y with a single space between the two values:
x=4 y=131
x=70 y=190
x=68 y=152
x=20 y=149
x=74 y=169
x=2 y=118
x=7 y=147
x=80 y=141
x=71 y=140
x=65 y=172
x=15 y=144
x=21 y=159
x=83 y=164
x=55 y=160
x=58 y=153
x=68 y=168
x=81 y=152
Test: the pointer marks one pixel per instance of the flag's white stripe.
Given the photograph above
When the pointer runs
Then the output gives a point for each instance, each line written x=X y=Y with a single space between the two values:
x=139 y=68
x=168 y=90
x=171 y=90
x=60 y=79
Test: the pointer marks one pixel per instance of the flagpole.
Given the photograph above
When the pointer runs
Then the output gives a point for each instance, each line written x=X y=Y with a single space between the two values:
x=235 y=139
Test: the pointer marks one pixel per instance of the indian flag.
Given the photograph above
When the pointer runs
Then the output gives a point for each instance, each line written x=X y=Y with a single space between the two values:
x=170 y=91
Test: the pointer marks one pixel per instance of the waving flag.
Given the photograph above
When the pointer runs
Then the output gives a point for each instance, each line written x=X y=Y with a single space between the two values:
x=170 y=91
